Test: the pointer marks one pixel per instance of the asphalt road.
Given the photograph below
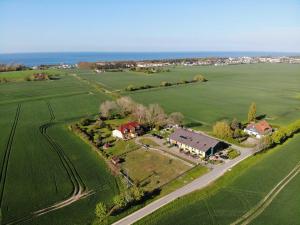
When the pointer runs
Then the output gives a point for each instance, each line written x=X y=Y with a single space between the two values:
x=201 y=182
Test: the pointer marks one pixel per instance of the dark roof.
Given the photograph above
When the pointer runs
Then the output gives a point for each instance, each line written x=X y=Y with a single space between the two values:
x=193 y=139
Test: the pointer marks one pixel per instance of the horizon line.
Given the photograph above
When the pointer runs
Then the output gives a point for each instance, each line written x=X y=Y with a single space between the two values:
x=49 y=52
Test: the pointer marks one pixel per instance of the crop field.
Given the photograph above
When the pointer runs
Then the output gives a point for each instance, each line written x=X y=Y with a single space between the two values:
x=239 y=192
x=42 y=162
x=227 y=94
x=20 y=75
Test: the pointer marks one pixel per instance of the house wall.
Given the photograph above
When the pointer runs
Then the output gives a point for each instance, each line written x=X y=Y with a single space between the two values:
x=117 y=134
x=188 y=148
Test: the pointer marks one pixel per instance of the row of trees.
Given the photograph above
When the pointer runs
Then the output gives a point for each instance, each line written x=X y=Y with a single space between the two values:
x=197 y=78
x=120 y=202
x=152 y=115
x=11 y=67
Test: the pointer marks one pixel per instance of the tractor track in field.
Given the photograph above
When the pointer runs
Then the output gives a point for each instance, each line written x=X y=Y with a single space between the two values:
x=79 y=188
x=267 y=200
x=7 y=152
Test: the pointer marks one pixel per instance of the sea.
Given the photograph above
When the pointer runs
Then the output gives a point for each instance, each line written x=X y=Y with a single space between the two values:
x=53 y=58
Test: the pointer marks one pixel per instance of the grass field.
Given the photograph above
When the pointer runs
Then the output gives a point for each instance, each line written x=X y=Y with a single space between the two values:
x=238 y=191
x=43 y=164
x=21 y=75
x=38 y=158
x=152 y=169
x=227 y=94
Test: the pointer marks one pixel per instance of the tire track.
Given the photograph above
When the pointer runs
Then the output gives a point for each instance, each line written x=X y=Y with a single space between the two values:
x=267 y=200
x=7 y=152
x=79 y=188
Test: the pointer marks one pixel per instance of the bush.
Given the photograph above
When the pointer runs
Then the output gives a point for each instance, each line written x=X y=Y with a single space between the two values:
x=284 y=133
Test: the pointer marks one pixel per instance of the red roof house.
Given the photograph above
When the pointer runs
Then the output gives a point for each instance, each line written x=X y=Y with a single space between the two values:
x=127 y=130
x=258 y=129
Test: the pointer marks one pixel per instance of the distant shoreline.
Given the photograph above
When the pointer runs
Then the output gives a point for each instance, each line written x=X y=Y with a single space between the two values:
x=54 y=58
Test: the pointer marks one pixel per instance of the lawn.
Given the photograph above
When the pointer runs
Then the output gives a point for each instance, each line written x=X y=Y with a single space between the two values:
x=152 y=169
x=238 y=191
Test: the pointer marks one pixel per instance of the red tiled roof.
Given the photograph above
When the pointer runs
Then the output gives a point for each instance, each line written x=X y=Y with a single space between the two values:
x=261 y=127
x=131 y=126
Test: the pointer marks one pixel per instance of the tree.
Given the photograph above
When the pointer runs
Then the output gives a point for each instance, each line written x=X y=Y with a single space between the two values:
x=200 y=78
x=235 y=124
x=140 y=113
x=101 y=211
x=222 y=130
x=279 y=136
x=109 y=109
x=136 y=193
x=156 y=116
x=176 y=118
x=252 y=112
x=126 y=104
x=119 y=201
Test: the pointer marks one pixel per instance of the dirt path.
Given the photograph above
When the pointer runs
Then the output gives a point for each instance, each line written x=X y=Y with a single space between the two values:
x=266 y=201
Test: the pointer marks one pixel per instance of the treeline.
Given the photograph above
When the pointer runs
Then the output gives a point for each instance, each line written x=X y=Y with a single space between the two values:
x=106 y=65
x=279 y=136
x=151 y=116
x=198 y=78
x=149 y=70
x=12 y=67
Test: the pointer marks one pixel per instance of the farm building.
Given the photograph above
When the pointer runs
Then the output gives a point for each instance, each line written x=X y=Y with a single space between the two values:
x=195 y=143
x=127 y=131
x=259 y=129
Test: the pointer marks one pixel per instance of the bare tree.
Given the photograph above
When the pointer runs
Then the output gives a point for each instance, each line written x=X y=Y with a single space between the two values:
x=140 y=113
x=176 y=118
x=108 y=108
x=156 y=116
x=126 y=104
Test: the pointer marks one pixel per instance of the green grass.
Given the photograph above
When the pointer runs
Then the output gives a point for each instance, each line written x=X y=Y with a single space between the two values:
x=232 y=153
x=229 y=92
x=187 y=177
x=20 y=75
x=35 y=177
x=34 y=170
x=148 y=141
x=121 y=147
x=237 y=191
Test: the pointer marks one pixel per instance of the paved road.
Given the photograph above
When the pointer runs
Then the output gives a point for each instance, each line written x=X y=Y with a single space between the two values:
x=197 y=184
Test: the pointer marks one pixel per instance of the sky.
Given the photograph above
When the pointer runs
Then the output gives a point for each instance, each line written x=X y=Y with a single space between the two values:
x=149 y=25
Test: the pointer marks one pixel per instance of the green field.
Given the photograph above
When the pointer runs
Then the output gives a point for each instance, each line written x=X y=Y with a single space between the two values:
x=227 y=94
x=240 y=190
x=21 y=75
x=42 y=162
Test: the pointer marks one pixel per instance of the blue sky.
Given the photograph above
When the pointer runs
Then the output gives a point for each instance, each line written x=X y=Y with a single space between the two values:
x=156 y=25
